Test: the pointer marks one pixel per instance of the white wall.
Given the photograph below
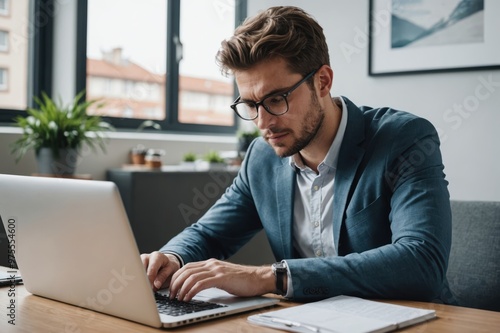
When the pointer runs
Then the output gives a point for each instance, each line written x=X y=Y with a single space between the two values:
x=470 y=147
x=471 y=157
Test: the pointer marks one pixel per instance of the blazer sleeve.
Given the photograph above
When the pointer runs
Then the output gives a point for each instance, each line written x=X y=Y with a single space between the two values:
x=410 y=218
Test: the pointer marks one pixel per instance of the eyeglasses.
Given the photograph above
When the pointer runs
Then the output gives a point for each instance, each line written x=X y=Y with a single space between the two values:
x=275 y=104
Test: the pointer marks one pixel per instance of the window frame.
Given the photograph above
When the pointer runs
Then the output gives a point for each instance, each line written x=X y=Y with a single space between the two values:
x=171 y=122
x=39 y=57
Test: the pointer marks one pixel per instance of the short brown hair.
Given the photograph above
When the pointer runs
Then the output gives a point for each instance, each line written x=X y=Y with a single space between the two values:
x=283 y=31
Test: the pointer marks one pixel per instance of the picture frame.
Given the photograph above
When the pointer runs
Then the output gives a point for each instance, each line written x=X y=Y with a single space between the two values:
x=407 y=37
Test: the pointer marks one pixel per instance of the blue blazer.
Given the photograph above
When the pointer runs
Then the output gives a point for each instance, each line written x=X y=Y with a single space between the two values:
x=392 y=219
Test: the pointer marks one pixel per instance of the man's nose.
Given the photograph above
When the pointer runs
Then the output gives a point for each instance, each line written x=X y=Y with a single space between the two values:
x=264 y=119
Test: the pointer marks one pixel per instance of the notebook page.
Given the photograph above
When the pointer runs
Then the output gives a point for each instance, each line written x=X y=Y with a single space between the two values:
x=343 y=314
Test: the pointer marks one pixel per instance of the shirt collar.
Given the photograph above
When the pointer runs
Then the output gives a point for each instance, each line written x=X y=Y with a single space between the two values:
x=332 y=156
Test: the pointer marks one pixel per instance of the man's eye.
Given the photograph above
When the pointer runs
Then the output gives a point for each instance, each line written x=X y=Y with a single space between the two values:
x=275 y=100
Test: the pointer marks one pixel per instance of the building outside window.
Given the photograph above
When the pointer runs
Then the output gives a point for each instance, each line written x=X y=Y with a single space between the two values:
x=15 y=44
x=162 y=67
x=126 y=88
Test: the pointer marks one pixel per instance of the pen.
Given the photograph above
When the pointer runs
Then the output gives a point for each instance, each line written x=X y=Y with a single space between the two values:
x=290 y=323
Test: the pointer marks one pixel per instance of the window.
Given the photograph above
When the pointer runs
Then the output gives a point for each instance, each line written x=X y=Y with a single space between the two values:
x=199 y=76
x=4 y=41
x=25 y=47
x=156 y=61
x=4 y=84
x=125 y=61
x=4 y=7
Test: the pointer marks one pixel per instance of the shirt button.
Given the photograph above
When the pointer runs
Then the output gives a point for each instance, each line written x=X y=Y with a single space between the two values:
x=315 y=187
x=316 y=224
x=318 y=253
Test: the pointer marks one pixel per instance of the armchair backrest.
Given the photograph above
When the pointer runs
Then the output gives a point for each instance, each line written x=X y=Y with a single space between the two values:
x=474 y=265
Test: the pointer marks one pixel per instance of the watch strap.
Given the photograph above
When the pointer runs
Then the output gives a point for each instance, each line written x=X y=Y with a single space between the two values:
x=280 y=271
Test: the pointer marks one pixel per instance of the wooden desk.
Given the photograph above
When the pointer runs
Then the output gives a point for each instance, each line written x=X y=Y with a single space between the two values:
x=37 y=314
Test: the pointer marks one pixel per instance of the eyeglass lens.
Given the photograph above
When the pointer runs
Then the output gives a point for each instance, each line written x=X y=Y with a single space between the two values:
x=275 y=104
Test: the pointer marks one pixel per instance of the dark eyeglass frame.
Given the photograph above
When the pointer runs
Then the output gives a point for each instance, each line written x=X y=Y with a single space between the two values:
x=257 y=104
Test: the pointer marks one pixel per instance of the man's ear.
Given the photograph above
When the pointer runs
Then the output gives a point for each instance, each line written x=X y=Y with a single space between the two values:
x=325 y=78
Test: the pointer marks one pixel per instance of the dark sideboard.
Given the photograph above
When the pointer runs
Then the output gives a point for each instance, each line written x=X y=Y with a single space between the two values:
x=161 y=203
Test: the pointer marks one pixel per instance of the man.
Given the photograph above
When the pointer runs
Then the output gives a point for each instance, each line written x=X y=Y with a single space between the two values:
x=353 y=200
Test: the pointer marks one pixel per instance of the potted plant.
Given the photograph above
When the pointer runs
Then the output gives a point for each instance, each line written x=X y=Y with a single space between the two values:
x=189 y=157
x=189 y=161
x=56 y=133
x=214 y=161
x=245 y=138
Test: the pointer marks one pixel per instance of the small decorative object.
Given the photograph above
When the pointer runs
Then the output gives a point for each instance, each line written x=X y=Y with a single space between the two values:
x=153 y=158
x=214 y=161
x=189 y=157
x=138 y=155
x=148 y=124
x=56 y=133
x=189 y=161
x=213 y=157
x=245 y=138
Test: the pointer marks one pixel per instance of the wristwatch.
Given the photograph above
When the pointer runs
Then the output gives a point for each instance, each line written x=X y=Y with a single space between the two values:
x=280 y=273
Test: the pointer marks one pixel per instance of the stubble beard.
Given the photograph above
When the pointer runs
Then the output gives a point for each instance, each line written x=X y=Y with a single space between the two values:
x=312 y=123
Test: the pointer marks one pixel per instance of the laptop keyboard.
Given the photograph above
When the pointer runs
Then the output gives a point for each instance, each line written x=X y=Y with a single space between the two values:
x=174 y=307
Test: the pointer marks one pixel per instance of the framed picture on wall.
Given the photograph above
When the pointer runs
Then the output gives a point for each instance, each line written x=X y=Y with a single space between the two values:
x=433 y=36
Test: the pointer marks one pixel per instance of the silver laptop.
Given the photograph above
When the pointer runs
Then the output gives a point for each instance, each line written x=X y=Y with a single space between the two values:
x=74 y=244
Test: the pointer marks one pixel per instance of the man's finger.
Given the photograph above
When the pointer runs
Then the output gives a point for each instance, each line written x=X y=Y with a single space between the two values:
x=145 y=259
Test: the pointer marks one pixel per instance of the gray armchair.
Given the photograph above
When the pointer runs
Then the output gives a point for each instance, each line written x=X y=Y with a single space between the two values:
x=474 y=266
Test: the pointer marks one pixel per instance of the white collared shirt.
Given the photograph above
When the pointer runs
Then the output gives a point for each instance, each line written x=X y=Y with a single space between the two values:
x=313 y=203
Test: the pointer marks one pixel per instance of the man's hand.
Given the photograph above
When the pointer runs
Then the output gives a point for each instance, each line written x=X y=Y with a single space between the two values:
x=236 y=279
x=159 y=268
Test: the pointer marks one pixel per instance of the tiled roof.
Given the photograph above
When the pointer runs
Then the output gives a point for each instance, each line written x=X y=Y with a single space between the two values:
x=126 y=70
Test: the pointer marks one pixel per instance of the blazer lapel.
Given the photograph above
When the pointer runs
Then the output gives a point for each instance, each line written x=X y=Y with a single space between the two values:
x=350 y=156
x=285 y=191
